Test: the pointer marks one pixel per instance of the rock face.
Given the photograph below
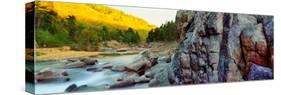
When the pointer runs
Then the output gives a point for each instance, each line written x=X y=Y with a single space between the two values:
x=220 y=47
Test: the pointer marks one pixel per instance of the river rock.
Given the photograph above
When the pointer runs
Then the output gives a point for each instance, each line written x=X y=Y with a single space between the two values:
x=49 y=74
x=123 y=49
x=89 y=61
x=72 y=60
x=128 y=76
x=166 y=59
x=153 y=61
x=74 y=87
x=76 y=64
x=94 y=69
x=71 y=88
x=107 y=66
x=118 y=68
x=147 y=54
x=123 y=84
x=142 y=79
x=148 y=74
x=162 y=75
x=139 y=66
x=142 y=63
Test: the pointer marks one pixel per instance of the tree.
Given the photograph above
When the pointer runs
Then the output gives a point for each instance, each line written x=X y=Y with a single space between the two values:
x=166 y=32
x=73 y=29
x=138 y=39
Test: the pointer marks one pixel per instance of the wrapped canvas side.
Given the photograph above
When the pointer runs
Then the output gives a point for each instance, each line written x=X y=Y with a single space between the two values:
x=29 y=47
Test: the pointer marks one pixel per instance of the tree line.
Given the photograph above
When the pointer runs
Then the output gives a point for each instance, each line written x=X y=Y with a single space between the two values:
x=166 y=32
x=53 y=31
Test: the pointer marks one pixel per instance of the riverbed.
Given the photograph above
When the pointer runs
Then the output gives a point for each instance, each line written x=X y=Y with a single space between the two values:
x=94 y=80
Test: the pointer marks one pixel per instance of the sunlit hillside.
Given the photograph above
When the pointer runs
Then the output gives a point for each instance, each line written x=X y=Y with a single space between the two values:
x=97 y=14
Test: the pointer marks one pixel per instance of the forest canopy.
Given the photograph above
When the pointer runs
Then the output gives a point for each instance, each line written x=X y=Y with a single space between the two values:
x=166 y=32
x=55 y=28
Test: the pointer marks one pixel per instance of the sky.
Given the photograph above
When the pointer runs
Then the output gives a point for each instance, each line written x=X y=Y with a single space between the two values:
x=151 y=15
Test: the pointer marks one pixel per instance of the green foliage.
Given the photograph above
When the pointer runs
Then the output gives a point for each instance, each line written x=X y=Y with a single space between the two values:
x=57 y=39
x=53 y=31
x=166 y=32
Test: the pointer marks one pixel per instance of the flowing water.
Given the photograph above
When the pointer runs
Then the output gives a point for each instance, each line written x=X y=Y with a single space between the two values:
x=80 y=76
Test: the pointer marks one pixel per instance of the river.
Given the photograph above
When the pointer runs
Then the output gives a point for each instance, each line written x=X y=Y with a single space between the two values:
x=79 y=76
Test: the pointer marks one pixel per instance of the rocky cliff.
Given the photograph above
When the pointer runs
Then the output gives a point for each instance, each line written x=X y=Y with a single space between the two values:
x=223 y=47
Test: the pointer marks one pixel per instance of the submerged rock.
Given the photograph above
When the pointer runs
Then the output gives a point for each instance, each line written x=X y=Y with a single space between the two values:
x=94 y=69
x=107 y=67
x=71 y=88
x=74 y=87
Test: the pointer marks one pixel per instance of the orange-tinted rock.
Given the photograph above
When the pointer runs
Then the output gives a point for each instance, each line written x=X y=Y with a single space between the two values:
x=230 y=45
x=247 y=43
x=254 y=57
x=261 y=48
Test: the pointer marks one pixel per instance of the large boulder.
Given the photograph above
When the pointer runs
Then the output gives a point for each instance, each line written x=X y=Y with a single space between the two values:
x=49 y=75
x=162 y=75
x=143 y=62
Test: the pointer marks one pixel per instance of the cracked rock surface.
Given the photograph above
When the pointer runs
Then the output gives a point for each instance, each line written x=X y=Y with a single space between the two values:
x=223 y=47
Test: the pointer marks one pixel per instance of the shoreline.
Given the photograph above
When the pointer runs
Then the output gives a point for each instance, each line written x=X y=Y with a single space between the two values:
x=79 y=54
